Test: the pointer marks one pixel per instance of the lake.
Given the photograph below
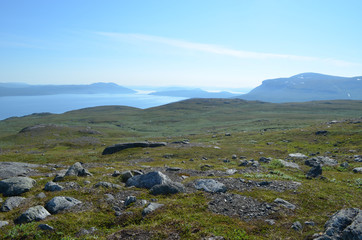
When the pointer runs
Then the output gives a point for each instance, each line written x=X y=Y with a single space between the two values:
x=16 y=106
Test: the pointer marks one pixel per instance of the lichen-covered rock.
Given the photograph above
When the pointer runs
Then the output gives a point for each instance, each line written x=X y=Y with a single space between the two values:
x=151 y=207
x=210 y=185
x=52 y=187
x=61 y=203
x=36 y=213
x=345 y=224
x=284 y=203
x=107 y=185
x=77 y=170
x=15 y=186
x=11 y=203
x=148 y=180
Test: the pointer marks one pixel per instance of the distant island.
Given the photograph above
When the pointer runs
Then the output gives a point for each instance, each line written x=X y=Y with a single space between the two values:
x=21 y=89
x=307 y=87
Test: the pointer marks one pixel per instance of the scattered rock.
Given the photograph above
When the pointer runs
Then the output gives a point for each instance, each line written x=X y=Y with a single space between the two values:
x=235 y=205
x=297 y=155
x=357 y=170
x=45 y=227
x=264 y=160
x=41 y=195
x=357 y=158
x=284 y=203
x=321 y=132
x=109 y=197
x=151 y=207
x=84 y=232
x=270 y=221
x=52 y=187
x=344 y=224
x=3 y=223
x=210 y=185
x=234 y=157
x=309 y=223
x=77 y=170
x=16 y=185
x=119 y=147
x=314 y=161
x=148 y=180
x=344 y=165
x=314 y=172
x=36 y=213
x=297 y=226
x=173 y=169
x=58 y=178
x=107 y=185
x=16 y=169
x=11 y=203
x=129 y=200
x=288 y=164
x=61 y=203
x=231 y=171
x=167 y=188
x=126 y=175
x=116 y=173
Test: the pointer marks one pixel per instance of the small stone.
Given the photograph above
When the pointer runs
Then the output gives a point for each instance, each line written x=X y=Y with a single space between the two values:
x=173 y=169
x=284 y=203
x=3 y=223
x=357 y=170
x=116 y=173
x=231 y=171
x=270 y=221
x=12 y=203
x=52 y=187
x=314 y=172
x=45 y=227
x=60 y=203
x=297 y=226
x=210 y=185
x=309 y=223
x=109 y=197
x=126 y=175
x=41 y=195
x=344 y=165
x=151 y=207
x=297 y=155
x=129 y=200
x=234 y=156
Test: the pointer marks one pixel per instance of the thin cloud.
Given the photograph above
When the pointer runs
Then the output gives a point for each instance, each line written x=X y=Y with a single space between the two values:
x=220 y=50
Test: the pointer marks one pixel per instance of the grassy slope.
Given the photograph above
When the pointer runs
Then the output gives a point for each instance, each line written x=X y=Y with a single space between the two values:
x=203 y=122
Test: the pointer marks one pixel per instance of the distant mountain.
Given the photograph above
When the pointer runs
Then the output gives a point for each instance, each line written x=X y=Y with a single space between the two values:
x=307 y=87
x=193 y=93
x=19 y=89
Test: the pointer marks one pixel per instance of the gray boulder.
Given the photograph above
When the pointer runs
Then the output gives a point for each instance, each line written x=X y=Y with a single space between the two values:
x=344 y=224
x=16 y=169
x=16 y=185
x=288 y=164
x=148 y=180
x=129 y=200
x=52 y=187
x=121 y=146
x=210 y=185
x=36 y=213
x=126 y=175
x=11 y=203
x=151 y=207
x=357 y=170
x=314 y=172
x=107 y=185
x=77 y=170
x=320 y=160
x=297 y=226
x=297 y=155
x=61 y=203
x=284 y=203
x=167 y=188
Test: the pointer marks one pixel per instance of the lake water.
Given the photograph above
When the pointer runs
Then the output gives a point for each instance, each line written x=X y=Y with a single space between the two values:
x=24 y=105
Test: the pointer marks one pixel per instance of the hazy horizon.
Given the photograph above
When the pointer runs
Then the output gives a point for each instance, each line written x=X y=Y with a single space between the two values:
x=223 y=44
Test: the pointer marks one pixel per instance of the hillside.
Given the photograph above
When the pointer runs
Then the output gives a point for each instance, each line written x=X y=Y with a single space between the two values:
x=307 y=87
x=195 y=169
x=10 y=89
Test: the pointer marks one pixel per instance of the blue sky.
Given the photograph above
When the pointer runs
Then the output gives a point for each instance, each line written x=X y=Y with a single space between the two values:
x=226 y=43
